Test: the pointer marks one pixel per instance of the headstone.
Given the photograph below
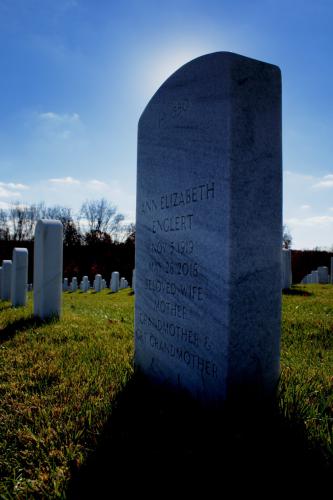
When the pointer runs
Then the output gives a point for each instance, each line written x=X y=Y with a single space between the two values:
x=48 y=256
x=323 y=275
x=208 y=239
x=0 y=283
x=85 y=284
x=6 y=279
x=286 y=269
x=19 y=283
x=65 y=285
x=74 y=285
x=114 y=284
x=122 y=283
x=98 y=283
x=331 y=275
x=103 y=283
x=133 y=280
x=314 y=277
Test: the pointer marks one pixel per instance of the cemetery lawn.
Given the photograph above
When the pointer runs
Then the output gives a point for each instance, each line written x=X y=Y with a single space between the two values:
x=57 y=381
x=74 y=419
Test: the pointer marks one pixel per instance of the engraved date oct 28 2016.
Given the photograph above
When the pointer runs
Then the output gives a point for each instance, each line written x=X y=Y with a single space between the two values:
x=175 y=268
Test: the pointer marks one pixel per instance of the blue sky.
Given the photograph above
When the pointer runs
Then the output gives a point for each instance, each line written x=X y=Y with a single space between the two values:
x=76 y=75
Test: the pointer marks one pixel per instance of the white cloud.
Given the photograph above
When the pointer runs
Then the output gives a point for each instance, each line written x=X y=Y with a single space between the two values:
x=13 y=185
x=11 y=189
x=305 y=207
x=322 y=220
x=64 y=180
x=59 y=118
x=325 y=182
x=97 y=185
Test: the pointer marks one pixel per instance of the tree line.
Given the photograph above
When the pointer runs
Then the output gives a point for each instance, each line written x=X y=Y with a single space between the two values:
x=97 y=220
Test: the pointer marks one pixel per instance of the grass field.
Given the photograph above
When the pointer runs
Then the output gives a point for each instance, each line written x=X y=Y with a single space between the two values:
x=76 y=423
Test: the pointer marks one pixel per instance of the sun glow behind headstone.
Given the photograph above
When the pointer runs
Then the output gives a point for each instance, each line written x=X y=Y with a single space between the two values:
x=164 y=61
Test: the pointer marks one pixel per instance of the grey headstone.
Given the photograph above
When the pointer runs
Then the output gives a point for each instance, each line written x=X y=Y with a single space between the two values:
x=19 y=283
x=208 y=240
x=331 y=275
x=48 y=259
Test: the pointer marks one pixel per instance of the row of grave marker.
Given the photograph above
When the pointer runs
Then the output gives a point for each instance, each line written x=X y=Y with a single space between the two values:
x=320 y=275
x=48 y=262
x=98 y=284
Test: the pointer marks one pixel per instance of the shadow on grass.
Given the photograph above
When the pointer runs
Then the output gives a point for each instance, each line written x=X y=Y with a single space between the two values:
x=296 y=291
x=20 y=325
x=155 y=443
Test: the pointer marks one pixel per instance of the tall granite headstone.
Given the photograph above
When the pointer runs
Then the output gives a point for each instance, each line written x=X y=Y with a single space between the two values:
x=208 y=240
x=19 y=283
x=48 y=259
x=331 y=275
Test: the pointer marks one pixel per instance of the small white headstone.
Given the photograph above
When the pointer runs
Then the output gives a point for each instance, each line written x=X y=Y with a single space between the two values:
x=65 y=285
x=19 y=277
x=48 y=258
x=133 y=280
x=114 y=285
x=286 y=269
x=85 y=284
x=74 y=284
x=323 y=274
x=98 y=283
x=6 y=279
x=314 y=276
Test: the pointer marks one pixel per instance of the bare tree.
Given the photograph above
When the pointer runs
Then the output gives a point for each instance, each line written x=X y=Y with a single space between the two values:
x=101 y=217
x=22 y=221
x=286 y=237
x=4 y=229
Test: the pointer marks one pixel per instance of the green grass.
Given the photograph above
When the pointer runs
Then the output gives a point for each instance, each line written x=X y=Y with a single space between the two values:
x=306 y=386
x=57 y=381
x=74 y=421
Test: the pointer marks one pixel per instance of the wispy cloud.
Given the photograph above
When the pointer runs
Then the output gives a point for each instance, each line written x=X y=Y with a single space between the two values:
x=97 y=185
x=322 y=220
x=13 y=185
x=305 y=207
x=11 y=189
x=325 y=182
x=64 y=180
x=52 y=117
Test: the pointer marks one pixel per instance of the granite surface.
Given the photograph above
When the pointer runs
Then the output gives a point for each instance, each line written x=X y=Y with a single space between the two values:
x=208 y=237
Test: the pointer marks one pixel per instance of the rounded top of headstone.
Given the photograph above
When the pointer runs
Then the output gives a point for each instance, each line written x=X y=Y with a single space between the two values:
x=6 y=262
x=208 y=69
x=20 y=250
x=50 y=222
